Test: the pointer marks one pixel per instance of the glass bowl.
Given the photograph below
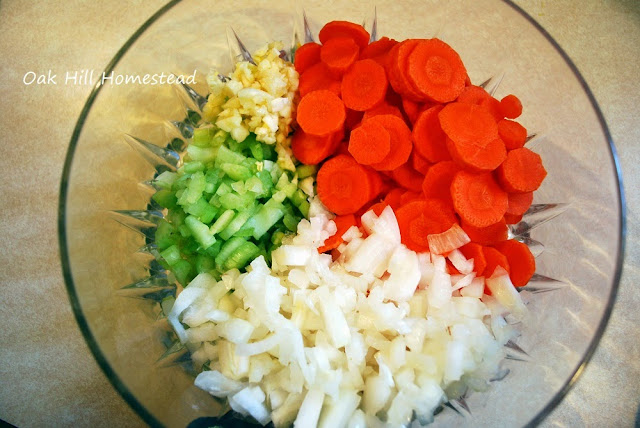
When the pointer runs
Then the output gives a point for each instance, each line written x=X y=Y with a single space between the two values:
x=579 y=269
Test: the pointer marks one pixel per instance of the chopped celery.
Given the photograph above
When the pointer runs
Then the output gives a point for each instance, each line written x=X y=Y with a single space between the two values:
x=223 y=221
x=192 y=167
x=305 y=171
x=238 y=221
x=227 y=156
x=234 y=201
x=290 y=222
x=166 y=235
x=227 y=249
x=182 y=270
x=206 y=154
x=204 y=263
x=241 y=256
x=166 y=179
x=194 y=189
x=202 y=137
x=304 y=208
x=236 y=172
x=266 y=216
x=171 y=255
x=165 y=198
x=298 y=197
x=200 y=232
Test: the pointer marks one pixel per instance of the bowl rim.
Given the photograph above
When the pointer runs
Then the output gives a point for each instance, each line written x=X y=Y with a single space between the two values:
x=142 y=411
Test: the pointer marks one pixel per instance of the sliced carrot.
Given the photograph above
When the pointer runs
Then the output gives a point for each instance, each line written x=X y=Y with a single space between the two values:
x=369 y=143
x=494 y=258
x=306 y=56
x=477 y=198
x=429 y=140
x=522 y=264
x=311 y=149
x=343 y=223
x=437 y=181
x=519 y=203
x=408 y=177
x=478 y=157
x=522 y=171
x=488 y=235
x=378 y=50
x=411 y=109
x=410 y=196
x=397 y=67
x=468 y=123
x=436 y=70
x=400 y=142
x=493 y=107
x=318 y=77
x=512 y=133
x=338 y=54
x=375 y=183
x=321 y=113
x=419 y=163
x=419 y=219
x=393 y=197
x=343 y=185
x=473 y=95
x=512 y=218
x=511 y=107
x=473 y=250
x=343 y=149
x=383 y=108
x=364 y=86
x=378 y=208
x=335 y=29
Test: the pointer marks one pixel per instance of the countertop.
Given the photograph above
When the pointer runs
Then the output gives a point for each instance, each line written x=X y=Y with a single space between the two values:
x=48 y=377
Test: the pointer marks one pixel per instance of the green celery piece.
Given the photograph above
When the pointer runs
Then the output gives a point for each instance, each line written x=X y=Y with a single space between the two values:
x=193 y=166
x=298 y=197
x=224 y=188
x=165 y=198
x=194 y=189
x=184 y=231
x=166 y=235
x=200 y=232
x=176 y=217
x=223 y=221
x=171 y=255
x=213 y=250
x=279 y=196
x=204 y=263
x=238 y=221
x=291 y=222
x=166 y=179
x=245 y=233
x=183 y=271
x=234 y=201
x=204 y=211
x=226 y=155
x=241 y=256
x=267 y=182
x=305 y=171
x=266 y=216
x=304 y=208
x=202 y=137
x=276 y=237
x=256 y=150
x=235 y=171
x=219 y=138
x=254 y=185
x=227 y=249
x=203 y=154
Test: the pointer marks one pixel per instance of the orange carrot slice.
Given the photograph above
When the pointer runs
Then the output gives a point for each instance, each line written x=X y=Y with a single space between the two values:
x=419 y=219
x=306 y=56
x=436 y=70
x=338 y=54
x=522 y=171
x=511 y=107
x=437 y=181
x=519 y=203
x=364 y=86
x=473 y=250
x=522 y=264
x=488 y=235
x=408 y=177
x=478 y=199
x=512 y=133
x=369 y=143
x=382 y=108
x=419 y=163
x=321 y=113
x=318 y=77
x=336 y=29
x=343 y=185
x=494 y=258
x=400 y=142
x=468 y=123
x=478 y=156
x=429 y=140
x=311 y=149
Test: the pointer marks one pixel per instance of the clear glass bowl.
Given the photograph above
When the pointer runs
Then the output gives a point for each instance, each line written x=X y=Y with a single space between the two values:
x=583 y=247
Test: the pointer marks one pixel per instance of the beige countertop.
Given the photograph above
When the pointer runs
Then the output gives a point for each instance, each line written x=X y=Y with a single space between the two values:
x=48 y=376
